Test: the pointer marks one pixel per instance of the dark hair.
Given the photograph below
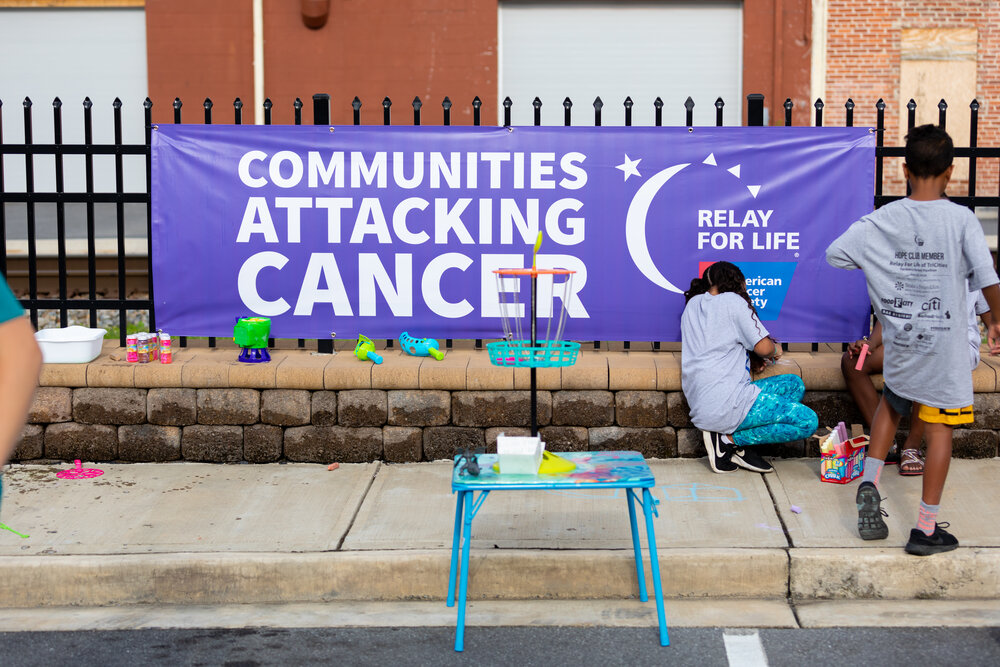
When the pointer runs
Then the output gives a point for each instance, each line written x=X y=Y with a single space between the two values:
x=724 y=276
x=727 y=277
x=929 y=151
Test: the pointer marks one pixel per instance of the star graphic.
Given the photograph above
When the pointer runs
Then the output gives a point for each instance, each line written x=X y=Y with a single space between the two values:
x=630 y=167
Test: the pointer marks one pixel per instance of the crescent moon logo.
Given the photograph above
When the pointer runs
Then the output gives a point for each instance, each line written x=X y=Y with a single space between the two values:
x=635 y=227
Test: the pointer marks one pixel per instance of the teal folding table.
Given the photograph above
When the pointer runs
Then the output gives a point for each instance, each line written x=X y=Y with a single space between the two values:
x=594 y=470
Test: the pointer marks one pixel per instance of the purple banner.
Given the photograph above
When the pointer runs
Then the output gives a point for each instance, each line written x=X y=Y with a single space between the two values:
x=380 y=230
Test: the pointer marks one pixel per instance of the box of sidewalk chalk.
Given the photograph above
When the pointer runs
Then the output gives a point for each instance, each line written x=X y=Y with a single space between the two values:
x=842 y=459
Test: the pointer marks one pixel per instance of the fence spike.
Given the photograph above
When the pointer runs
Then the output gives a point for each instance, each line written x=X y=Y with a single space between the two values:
x=688 y=103
x=416 y=103
x=974 y=105
x=507 y=103
x=147 y=103
x=177 y=104
x=57 y=103
x=942 y=105
x=237 y=103
x=880 y=105
x=911 y=105
x=818 y=104
x=446 y=103
x=87 y=104
x=628 y=103
x=356 y=103
x=386 y=103
x=476 y=102
x=297 y=104
x=849 y=104
x=537 y=103
x=27 y=103
x=567 y=103
x=658 y=103
x=598 y=103
x=719 y=103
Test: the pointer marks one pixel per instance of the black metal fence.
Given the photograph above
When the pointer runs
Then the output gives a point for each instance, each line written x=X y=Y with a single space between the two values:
x=28 y=150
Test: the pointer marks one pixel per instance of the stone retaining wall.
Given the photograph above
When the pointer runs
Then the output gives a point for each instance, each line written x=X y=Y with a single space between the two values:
x=231 y=424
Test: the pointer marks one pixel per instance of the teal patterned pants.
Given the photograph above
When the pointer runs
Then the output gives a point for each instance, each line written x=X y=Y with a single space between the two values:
x=777 y=415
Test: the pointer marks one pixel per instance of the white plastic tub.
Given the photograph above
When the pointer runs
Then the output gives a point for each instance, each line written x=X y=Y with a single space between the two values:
x=70 y=345
x=519 y=455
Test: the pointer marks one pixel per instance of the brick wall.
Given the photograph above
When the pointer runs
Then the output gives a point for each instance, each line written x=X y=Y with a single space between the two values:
x=231 y=425
x=863 y=63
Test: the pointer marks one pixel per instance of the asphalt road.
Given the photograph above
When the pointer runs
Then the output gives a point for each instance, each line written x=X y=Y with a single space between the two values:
x=520 y=646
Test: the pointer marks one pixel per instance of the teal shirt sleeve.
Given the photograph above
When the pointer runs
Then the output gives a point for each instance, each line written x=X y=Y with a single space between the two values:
x=9 y=306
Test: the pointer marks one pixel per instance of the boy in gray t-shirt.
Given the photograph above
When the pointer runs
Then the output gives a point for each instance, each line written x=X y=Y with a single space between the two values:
x=917 y=255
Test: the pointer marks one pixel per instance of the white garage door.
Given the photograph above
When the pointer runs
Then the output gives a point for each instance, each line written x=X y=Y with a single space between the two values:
x=642 y=50
x=72 y=54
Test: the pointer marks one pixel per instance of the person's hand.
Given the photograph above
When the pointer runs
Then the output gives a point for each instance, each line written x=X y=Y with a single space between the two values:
x=854 y=349
x=993 y=336
x=778 y=351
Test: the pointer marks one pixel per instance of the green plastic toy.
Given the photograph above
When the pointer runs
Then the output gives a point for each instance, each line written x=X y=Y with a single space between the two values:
x=251 y=334
x=365 y=350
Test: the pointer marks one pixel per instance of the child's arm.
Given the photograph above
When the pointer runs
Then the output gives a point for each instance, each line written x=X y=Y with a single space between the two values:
x=20 y=364
x=992 y=295
x=874 y=340
x=766 y=348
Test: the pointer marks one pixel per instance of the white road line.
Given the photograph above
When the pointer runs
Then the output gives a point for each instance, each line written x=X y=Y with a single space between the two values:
x=744 y=650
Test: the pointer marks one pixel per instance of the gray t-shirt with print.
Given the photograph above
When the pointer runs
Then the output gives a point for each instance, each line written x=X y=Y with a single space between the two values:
x=716 y=332
x=917 y=256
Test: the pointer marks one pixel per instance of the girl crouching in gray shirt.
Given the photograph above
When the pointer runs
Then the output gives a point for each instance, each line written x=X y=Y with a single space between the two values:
x=722 y=342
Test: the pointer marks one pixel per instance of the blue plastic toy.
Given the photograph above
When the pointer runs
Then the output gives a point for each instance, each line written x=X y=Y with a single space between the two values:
x=420 y=347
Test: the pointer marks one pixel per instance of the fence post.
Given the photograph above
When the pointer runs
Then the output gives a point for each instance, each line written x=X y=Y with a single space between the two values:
x=321 y=109
x=755 y=110
x=321 y=116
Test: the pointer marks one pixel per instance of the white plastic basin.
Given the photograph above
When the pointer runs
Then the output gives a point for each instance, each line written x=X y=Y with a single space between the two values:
x=70 y=345
x=519 y=455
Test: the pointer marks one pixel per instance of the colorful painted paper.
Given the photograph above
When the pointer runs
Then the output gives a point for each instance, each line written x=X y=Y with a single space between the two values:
x=623 y=469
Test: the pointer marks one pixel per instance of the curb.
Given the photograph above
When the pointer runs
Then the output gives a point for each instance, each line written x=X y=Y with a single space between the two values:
x=801 y=574
x=247 y=578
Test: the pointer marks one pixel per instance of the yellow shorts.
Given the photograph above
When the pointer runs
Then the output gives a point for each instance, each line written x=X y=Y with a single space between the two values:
x=945 y=416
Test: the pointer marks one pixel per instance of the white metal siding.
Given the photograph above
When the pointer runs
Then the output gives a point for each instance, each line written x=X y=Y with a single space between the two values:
x=614 y=50
x=73 y=54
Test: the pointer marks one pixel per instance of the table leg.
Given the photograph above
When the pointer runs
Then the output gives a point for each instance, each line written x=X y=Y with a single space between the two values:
x=471 y=507
x=454 y=547
x=654 y=565
x=636 y=548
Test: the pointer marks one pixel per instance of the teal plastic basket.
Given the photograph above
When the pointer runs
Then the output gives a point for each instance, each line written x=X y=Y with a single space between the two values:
x=521 y=353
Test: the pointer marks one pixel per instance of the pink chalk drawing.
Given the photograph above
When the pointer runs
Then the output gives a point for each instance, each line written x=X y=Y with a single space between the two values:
x=79 y=472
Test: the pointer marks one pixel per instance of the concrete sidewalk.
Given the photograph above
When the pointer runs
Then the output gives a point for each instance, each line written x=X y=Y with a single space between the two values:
x=206 y=534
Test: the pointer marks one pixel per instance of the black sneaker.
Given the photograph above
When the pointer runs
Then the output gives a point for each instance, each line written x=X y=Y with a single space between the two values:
x=870 y=513
x=925 y=545
x=719 y=453
x=746 y=457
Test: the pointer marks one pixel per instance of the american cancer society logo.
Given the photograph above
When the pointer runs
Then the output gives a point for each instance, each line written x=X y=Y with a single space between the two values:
x=714 y=215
